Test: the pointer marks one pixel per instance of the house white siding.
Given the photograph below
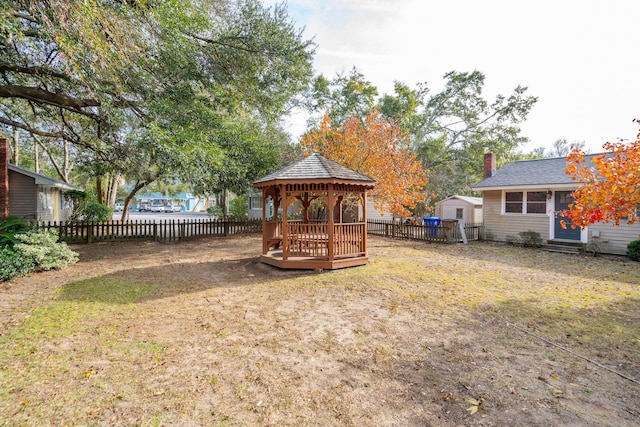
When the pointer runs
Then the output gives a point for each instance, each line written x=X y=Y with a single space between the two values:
x=613 y=239
x=604 y=238
x=504 y=227
x=373 y=213
x=255 y=206
x=506 y=203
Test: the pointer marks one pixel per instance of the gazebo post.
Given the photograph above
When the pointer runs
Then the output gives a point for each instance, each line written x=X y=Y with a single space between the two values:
x=285 y=227
x=330 y=226
x=265 y=247
x=364 y=220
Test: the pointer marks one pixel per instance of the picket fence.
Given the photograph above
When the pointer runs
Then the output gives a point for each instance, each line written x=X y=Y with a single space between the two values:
x=164 y=230
x=448 y=231
x=174 y=230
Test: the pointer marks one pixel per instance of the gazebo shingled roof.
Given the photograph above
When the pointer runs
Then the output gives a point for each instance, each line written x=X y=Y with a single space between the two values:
x=306 y=241
x=314 y=167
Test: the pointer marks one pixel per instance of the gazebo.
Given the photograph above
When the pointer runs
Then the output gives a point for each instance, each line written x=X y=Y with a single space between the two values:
x=314 y=215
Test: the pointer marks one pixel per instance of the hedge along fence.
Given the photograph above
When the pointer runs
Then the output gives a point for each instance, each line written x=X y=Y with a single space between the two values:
x=449 y=231
x=166 y=230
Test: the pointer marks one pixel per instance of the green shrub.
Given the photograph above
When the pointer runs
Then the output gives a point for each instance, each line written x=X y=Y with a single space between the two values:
x=633 y=250
x=78 y=200
x=13 y=264
x=239 y=207
x=97 y=212
x=9 y=227
x=215 y=212
x=512 y=240
x=43 y=248
x=530 y=239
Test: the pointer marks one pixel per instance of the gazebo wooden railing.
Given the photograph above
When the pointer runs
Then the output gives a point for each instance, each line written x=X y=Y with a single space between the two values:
x=311 y=239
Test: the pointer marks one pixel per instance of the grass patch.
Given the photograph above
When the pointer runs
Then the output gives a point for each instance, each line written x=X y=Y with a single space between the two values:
x=54 y=335
x=107 y=290
x=407 y=339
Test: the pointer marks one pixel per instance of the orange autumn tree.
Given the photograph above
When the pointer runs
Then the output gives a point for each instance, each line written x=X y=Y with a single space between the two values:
x=610 y=190
x=379 y=149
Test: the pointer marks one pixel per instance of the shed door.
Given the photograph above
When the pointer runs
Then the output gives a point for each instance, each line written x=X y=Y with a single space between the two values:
x=563 y=198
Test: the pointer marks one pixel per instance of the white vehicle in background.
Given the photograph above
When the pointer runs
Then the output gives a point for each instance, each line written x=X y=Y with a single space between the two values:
x=173 y=208
x=156 y=207
x=118 y=207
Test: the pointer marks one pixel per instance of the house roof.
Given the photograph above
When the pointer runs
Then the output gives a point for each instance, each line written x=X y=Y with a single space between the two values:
x=543 y=172
x=42 y=179
x=471 y=200
x=315 y=167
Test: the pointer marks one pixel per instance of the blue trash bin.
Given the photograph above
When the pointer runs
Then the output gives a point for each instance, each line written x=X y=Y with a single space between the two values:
x=432 y=224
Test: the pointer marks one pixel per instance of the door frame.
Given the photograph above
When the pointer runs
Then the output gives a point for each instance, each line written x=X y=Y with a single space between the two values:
x=584 y=233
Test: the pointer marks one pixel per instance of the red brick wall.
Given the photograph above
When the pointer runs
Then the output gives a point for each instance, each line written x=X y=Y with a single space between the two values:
x=4 y=178
x=489 y=164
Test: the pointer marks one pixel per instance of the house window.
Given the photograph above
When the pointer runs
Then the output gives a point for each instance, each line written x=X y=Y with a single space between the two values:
x=536 y=202
x=531 y=202
x=256 y=202
x=459 y=213
x=513 y=202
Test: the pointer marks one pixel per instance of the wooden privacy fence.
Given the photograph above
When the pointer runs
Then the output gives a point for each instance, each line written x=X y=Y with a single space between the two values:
x=166 y=230
x=447 y=232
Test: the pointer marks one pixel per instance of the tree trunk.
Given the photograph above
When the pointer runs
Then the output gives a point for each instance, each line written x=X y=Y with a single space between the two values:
x=16 y=146
x=99 y=190
x=66 y=165
x=127 y=200
x=36 y=155
x=223 y=202
x=112 y=189
x=63 y=172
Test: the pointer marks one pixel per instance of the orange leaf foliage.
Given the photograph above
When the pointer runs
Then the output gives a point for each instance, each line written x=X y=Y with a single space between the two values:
x=376 y=148
x=611 y=185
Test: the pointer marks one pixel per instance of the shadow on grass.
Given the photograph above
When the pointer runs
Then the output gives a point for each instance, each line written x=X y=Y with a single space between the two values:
x=617 y=268
x=504 y=364
x=143 y=284
x=608 y=332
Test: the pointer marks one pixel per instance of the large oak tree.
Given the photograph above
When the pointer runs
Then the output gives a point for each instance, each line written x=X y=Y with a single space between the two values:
x=149 y=89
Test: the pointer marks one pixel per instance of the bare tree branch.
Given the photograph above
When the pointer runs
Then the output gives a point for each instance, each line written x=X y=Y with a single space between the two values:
x=31 y=130
x=36 y=71
x=46 y=97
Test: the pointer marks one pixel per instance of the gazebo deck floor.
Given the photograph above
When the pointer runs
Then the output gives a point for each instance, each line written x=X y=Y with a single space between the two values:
x=309 y=263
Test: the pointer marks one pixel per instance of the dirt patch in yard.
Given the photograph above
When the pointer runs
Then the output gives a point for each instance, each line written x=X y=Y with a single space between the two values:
x=202 y=333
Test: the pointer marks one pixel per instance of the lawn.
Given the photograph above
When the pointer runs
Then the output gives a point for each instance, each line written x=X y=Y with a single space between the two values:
x=201 y=333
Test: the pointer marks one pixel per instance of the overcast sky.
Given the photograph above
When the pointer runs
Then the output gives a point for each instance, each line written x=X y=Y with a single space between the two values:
x=580 y=58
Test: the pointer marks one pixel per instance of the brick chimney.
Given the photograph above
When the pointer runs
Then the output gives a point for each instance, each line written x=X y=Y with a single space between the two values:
x=4 y=178
x=489 y=164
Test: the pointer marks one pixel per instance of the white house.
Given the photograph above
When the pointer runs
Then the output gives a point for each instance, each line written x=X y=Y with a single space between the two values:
x=528 y=194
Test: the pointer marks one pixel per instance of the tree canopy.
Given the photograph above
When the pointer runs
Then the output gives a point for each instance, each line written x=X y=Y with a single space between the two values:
x=379 y=149
x=610 y=185
x=449 y=130
x=144 y=88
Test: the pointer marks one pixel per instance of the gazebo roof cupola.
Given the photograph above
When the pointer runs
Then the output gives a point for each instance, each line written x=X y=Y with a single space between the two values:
x=316 y=168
